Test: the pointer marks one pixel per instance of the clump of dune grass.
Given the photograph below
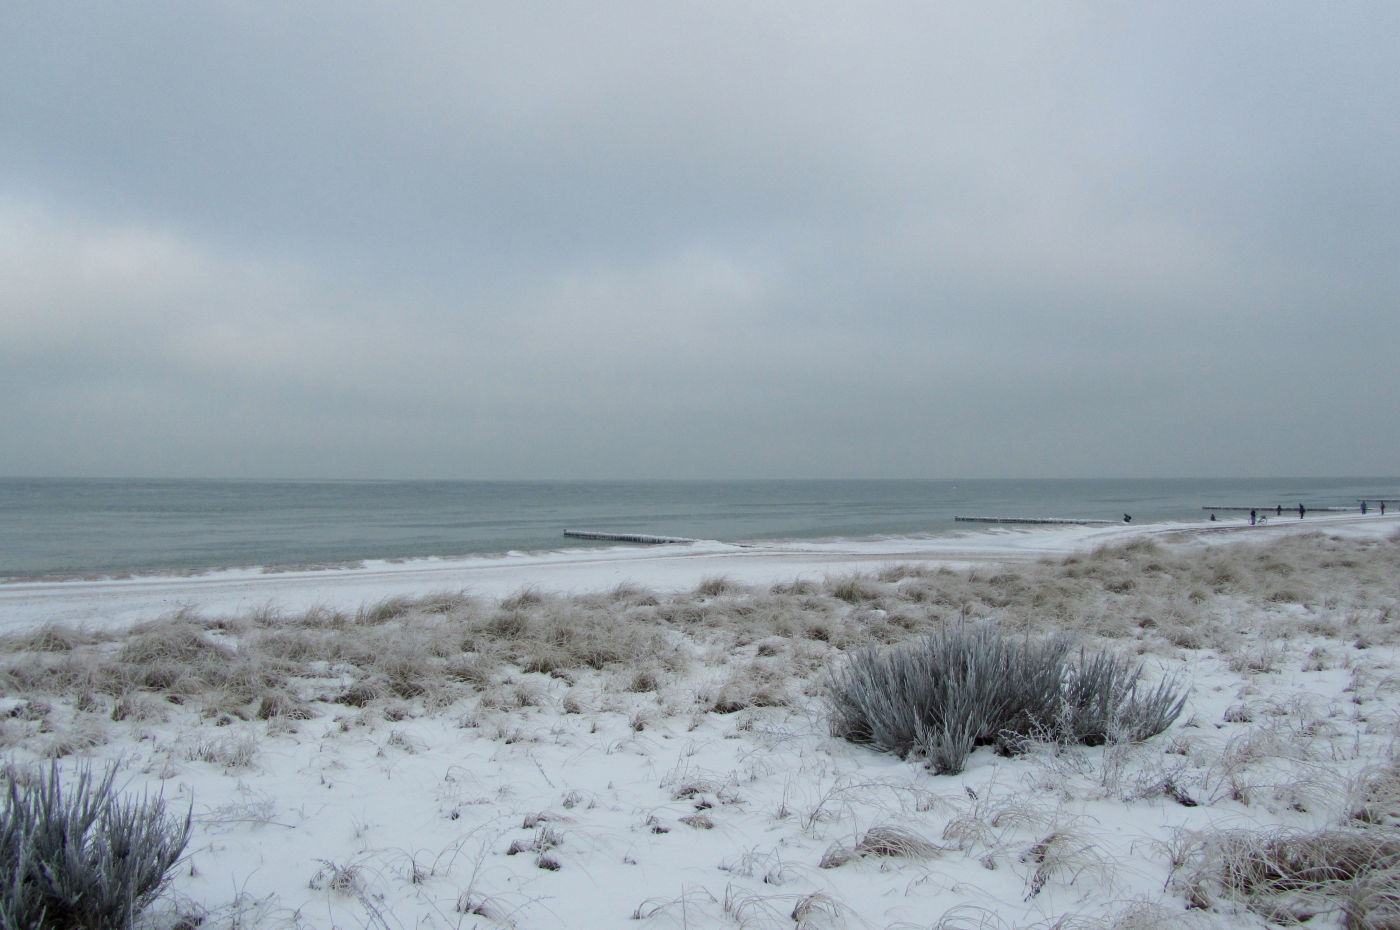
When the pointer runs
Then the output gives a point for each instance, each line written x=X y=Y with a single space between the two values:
x=855 y=588
x=963 y=687
x=1375 y=797
x=1291 y=876
x=80 y=855
x=757 y=684
x=886 y=841
x=53 y=637
x=715 y=586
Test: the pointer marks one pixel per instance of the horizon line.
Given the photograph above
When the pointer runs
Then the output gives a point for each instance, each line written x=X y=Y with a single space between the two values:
x=689 y=480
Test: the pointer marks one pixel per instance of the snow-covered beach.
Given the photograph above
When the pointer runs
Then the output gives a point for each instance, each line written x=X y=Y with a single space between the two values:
x=103 y=601
x=895 y=466
x=638 y=737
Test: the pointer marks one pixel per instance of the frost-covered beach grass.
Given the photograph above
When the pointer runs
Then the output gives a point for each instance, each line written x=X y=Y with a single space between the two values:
x=646 y=755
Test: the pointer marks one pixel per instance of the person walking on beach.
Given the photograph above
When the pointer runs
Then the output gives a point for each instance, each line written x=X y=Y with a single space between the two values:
x=1278 y=510
x=1363 y=508
x=1302 y=511
x=1253 y=517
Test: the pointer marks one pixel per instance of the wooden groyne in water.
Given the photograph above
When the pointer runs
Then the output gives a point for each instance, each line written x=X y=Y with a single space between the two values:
x=627 y=537
x=1035 y=520
x=1275 y=509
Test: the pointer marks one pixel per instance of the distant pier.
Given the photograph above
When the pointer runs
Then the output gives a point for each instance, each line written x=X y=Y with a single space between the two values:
x=627 y=537
x=1036 y=520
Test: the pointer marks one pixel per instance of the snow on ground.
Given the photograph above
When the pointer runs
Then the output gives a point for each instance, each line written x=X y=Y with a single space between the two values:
x=573 y=800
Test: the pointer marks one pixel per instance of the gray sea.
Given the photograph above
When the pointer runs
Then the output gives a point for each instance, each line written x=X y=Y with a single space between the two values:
x=64 y=527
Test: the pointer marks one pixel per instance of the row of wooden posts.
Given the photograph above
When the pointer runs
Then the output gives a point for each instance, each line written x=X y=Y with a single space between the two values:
x=1277 y=508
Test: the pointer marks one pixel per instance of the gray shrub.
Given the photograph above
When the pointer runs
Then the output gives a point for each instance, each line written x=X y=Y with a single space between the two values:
x=81 y=856
x=967 y=686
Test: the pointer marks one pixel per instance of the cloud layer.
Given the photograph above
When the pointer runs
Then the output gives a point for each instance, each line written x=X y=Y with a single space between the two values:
x=341 y=239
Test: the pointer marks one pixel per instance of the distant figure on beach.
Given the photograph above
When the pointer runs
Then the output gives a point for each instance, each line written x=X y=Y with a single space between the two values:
x=1127 y=518
x=1302 y=511
x=1363 y=508
x=1278 y=510
x=1212 y=518
x=1253 y=517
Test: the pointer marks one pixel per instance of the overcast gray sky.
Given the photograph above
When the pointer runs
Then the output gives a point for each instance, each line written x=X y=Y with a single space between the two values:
x=335 y=238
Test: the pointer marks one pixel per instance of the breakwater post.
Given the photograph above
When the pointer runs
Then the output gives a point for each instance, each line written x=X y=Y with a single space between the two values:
x=1284 y=507
x=627 y=537
x=1036 y=520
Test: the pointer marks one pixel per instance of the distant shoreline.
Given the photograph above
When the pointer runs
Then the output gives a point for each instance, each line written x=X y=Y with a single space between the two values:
x=68 y=529
x=119 y=601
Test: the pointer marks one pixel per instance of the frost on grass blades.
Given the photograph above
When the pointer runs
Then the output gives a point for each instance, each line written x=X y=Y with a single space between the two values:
x=963 y=687
x=666 y=754
x=81 y=856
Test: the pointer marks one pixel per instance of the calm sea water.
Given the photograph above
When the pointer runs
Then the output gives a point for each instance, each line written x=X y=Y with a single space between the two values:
x=71 y=526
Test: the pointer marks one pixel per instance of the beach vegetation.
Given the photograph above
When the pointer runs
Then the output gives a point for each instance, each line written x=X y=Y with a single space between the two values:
x=884 y=840
x=715 y=586
x=854 y=588
x=1288 y=876
x=79 y=855
x=968 y=686
x=1268 y=669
